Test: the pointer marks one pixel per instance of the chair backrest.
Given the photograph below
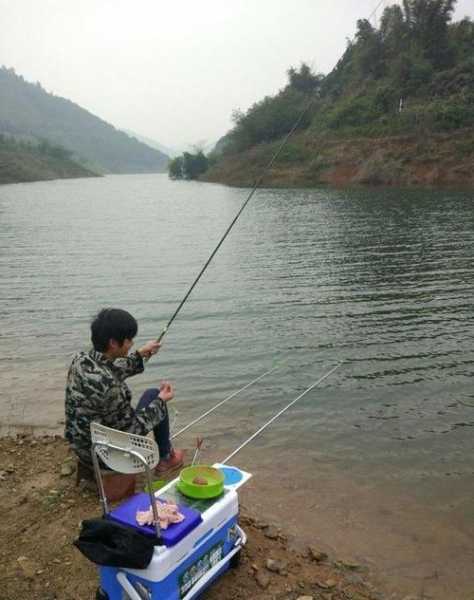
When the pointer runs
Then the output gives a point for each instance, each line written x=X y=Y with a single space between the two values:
x=118 y=457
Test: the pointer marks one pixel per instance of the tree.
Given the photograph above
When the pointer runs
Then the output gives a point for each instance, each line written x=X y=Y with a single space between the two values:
x=194 y=164
x=336 y=81
x=304 y=80
x=461 y=36
x=188 y=166
x=54 y=150
x=269 y=119
x=427 y=21
x=175 y=168
x=394 y=31
x=368 y=51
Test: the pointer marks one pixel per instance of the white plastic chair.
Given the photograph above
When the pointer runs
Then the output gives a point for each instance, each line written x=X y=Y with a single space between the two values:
x=125 y=453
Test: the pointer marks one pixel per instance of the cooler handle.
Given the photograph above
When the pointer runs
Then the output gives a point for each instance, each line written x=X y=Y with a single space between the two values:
x=128 y=587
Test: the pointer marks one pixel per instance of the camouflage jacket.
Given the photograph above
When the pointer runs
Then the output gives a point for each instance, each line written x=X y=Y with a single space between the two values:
x=96 y=391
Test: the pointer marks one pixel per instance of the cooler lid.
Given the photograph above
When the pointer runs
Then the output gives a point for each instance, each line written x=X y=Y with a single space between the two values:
x=126 y=514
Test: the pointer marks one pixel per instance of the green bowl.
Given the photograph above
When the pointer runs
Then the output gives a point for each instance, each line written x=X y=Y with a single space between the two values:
x=155 y=486
x=213 y=488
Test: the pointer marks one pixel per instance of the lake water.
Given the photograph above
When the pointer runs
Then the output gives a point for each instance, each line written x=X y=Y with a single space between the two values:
x=380 y=457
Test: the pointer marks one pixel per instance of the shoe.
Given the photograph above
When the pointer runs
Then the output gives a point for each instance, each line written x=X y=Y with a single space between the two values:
x=175 y=460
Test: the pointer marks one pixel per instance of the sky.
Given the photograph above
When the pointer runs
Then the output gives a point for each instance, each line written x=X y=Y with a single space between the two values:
x=175 y=71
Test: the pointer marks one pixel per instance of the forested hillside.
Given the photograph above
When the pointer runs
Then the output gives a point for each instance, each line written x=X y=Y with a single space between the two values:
x=412 y=77
x=27 y=161
x=28 y=112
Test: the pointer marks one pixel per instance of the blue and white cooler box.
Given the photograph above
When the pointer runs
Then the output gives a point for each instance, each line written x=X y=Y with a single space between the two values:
x=193 y=553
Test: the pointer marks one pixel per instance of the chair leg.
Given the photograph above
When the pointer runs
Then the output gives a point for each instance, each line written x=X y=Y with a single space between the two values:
x=98 y=479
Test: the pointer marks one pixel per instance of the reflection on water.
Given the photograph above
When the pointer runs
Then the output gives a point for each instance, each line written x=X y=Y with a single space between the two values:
x=383 y=279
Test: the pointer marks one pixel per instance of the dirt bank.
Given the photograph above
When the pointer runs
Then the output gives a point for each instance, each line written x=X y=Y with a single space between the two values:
x=41 y=511
x=424 y=159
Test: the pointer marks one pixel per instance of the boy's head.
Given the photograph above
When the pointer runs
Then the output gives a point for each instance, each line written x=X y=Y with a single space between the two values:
x=113 y=330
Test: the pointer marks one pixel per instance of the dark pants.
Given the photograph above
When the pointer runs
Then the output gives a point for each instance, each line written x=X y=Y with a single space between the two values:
x=162 y=430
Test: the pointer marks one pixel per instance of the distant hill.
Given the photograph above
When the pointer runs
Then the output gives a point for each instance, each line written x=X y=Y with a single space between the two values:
x=203 y=145
x=170 y=152
x=27 y=111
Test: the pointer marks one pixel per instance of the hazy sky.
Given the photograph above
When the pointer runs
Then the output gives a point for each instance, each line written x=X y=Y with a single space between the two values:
x=174 y=71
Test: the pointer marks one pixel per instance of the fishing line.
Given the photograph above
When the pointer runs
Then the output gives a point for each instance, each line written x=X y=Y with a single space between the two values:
x=211 y=410
x=254 y=189
x=259 y=431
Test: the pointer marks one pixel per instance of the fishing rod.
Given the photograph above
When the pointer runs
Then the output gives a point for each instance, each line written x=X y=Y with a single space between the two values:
x=211 y=410
x=242 y=208
x=283 y=410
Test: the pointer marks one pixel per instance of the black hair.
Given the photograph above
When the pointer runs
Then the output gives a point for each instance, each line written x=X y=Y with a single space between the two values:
x=112 y=323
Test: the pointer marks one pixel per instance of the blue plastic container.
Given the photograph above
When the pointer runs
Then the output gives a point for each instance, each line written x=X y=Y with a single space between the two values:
x=179 y=582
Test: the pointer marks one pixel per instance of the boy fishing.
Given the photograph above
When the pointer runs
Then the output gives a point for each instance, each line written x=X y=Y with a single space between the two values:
x=96 y=390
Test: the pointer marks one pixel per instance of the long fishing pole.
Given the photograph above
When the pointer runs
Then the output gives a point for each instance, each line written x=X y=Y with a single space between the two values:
x=254 y=189
x=259 y=431
x=211 y=410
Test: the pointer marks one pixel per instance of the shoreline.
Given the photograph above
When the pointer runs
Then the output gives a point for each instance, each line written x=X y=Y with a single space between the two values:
x=423 y=160
x=22 y=166
x=408 y=547
x=43 y=507
x=52 y=178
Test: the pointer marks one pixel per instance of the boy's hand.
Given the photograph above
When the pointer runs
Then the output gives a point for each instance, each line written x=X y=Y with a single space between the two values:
x=149 y=349
x=166 y=391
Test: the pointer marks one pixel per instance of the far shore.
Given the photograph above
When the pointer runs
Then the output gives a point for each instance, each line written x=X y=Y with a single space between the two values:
x=426 y=161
